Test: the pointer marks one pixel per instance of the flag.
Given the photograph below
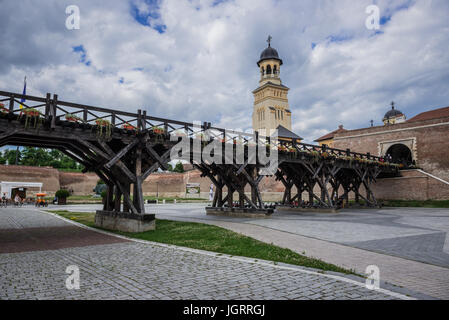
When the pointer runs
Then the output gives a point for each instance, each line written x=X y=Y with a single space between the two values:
x=24 y=92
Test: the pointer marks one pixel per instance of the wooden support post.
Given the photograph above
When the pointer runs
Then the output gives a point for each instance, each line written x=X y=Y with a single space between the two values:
x=11 y=104
x=47 y=105
x=117 y=199
x=53 y=111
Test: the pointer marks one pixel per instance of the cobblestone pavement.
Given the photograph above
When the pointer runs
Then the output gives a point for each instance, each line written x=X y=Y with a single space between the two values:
x=141 y=270
x=409 y=245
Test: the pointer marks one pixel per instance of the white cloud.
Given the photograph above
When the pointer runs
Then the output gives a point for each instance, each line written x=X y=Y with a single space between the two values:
x=203 y=67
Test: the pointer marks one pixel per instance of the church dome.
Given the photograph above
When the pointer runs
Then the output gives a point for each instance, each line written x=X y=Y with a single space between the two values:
x=269 y=53
x=393 y=113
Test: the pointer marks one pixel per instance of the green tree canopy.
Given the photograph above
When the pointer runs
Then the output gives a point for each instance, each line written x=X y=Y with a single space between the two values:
x=39 y=157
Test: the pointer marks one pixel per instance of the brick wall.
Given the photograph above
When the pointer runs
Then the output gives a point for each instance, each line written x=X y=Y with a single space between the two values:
x=80 y=183
x=430 y=142
x=413 y=185
x=48 y=176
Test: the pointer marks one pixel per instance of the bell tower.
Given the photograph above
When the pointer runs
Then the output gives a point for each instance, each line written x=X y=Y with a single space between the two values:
x=271 y=107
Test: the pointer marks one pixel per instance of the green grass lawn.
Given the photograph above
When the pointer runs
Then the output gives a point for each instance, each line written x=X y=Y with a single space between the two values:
x=416 y=203
x=212 y=238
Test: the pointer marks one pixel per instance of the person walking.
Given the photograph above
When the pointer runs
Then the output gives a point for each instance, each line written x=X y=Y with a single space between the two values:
x=4 y=202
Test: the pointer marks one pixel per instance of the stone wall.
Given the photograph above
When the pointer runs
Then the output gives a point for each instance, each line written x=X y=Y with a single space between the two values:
x=428 y=141
x=80 y=183
x=413 y=185
x=48 y=176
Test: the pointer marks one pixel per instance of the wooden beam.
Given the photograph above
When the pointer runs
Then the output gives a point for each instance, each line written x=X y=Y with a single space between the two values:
x=121 y=154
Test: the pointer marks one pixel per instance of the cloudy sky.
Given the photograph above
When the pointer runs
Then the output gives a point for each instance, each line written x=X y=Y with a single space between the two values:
x=196 y=59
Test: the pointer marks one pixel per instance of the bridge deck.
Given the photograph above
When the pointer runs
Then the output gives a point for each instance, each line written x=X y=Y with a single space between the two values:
x=124 y=148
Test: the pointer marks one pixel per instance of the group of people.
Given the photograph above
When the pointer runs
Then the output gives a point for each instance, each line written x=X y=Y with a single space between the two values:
x=18 y=201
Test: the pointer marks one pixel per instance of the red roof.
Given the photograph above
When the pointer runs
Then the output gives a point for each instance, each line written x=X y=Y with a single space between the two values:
x=332 y=134
x=432 y=114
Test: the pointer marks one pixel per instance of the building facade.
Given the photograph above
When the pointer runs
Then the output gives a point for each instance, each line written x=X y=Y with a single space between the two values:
x=271 y=108
x=420 y=142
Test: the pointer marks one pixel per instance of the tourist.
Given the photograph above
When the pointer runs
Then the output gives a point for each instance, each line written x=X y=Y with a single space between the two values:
x=4 y=199
x=17 y=200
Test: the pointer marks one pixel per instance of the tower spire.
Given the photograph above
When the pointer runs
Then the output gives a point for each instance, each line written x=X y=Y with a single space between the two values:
x=269 y=40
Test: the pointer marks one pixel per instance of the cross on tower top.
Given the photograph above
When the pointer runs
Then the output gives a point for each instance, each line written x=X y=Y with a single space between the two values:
x=269 y=40
x=392 y=104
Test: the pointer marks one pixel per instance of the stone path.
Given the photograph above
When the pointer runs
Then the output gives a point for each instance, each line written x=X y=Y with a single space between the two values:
x=409 y=245
x=123 y=269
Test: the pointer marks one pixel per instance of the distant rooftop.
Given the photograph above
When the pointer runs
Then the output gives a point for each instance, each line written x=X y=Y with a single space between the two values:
x=330 y=135
x=283 y=132
x=432 y=114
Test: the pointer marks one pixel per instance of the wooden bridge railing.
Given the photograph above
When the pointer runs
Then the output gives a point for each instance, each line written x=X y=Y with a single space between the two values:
x=52 y=109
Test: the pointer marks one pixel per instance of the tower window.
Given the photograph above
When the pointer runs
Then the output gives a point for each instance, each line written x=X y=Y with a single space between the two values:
x=268 y=69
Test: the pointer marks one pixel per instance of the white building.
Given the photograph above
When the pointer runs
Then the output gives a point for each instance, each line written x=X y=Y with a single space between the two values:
x=7 y=187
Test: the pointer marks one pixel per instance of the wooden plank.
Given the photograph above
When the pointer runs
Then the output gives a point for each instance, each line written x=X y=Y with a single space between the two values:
x=120 y=164
x=155 y=166
x=162 y=160
x=121 y=154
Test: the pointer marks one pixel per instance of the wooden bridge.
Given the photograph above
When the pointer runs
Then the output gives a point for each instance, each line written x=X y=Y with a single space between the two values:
x=124 y=148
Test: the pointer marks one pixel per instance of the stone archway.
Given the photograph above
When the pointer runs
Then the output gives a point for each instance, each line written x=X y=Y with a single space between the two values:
x=401 y=154
x=409 y=143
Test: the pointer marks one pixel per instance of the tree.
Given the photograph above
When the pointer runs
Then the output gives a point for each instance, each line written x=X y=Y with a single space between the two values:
x=10 y=156
x=40 y=157
x=2 y=158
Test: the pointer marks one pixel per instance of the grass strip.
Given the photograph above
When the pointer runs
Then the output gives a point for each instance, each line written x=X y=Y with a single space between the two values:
x=212 y=238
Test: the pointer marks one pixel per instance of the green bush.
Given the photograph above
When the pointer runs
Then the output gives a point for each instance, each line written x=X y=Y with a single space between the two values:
x=179 y=168
x=62 y=193
x=103 y=194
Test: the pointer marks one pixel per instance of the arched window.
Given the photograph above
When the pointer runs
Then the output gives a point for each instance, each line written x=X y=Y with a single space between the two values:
x=268 y=69
x=263 y=70
x=274 y=69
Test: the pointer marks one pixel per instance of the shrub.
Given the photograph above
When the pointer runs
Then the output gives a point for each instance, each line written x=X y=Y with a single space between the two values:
x=179 y=168
x=62 y=193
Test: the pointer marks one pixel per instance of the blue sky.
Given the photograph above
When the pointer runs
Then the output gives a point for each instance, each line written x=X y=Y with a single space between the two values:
x=196 y=59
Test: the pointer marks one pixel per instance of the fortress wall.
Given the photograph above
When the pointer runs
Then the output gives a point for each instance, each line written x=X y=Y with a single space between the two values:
x=430 y=143
x=413 y=185
x=49 y=177
x=80 y=183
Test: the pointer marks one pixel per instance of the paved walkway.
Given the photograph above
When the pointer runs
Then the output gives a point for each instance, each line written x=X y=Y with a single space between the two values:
x=116 y=268
x=409 y=245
